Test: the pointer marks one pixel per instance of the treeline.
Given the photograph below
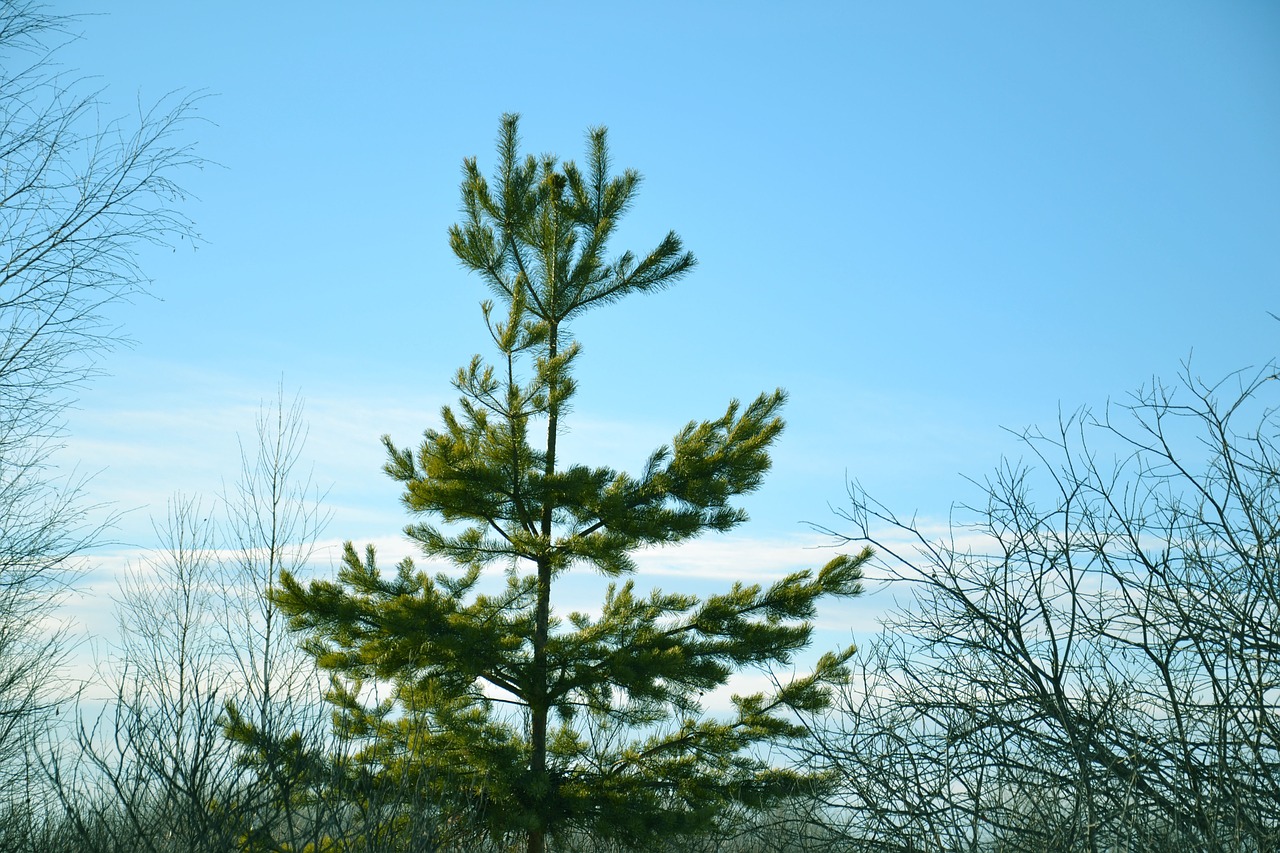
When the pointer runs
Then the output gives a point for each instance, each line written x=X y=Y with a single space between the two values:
x=1088 y=661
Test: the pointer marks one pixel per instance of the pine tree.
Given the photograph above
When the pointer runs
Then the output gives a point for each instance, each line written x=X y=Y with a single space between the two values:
x=538 y=723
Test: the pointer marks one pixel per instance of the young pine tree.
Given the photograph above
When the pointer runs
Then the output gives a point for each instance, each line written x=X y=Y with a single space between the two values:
x=540 y=724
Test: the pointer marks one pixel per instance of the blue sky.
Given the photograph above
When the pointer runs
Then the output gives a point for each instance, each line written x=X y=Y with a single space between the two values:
x=927 y=220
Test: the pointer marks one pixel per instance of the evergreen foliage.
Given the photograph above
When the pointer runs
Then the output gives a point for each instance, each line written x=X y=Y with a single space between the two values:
x=533 y=722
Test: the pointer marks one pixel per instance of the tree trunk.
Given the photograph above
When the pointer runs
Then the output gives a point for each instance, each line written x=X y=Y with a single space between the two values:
x=538 y=706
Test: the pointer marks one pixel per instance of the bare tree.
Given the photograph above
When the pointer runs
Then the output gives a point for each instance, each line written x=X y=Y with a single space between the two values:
x=203 y=654
x=276 y=719
x=274 y=518
x=217 y=736
x=153 y=771
x=1090 y=660
x=77 y=200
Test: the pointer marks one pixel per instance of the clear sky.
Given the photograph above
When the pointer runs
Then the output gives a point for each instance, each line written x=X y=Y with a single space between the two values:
x=926 y=220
